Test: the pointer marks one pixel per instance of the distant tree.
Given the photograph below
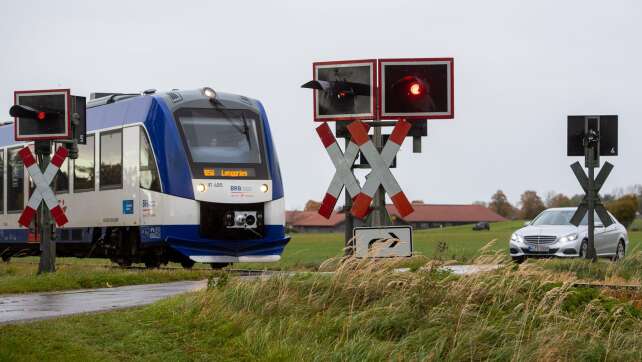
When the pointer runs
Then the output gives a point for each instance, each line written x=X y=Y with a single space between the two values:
x=312 y=205
x=500 y=205
x=576 y=199
x=637 y=191
x=531 y=204
x=481 y=203
x=558 y=200
x=606 y=198
x=624 y=209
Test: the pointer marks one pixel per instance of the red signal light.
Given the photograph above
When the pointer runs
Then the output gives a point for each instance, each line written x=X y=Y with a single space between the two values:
x=415 y=89
x=41 y=116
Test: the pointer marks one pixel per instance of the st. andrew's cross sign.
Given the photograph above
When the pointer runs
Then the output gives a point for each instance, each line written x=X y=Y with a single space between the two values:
x=43 y=191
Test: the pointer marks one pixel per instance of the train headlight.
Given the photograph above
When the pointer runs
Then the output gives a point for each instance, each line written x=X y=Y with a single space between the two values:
x=264 y=188
x=209 y=92
x=201 y=188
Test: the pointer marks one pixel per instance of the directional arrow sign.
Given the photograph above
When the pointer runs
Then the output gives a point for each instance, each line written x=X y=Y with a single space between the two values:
x=582 y=209
x=381 y=242
x=391 y=237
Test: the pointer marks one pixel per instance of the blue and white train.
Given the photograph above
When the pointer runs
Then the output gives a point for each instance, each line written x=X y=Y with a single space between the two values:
x=180 y=176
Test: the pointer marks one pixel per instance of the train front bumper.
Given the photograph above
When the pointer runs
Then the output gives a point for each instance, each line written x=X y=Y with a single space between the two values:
x=187 y=240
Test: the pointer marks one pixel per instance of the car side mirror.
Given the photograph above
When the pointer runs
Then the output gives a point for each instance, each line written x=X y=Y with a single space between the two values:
x=526 y=223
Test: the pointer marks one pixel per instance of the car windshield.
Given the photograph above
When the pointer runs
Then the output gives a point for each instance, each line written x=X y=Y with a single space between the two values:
x=558 y=217
x=229 y=136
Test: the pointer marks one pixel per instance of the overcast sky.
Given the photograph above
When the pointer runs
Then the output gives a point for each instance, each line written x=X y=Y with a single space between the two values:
x=520 y=68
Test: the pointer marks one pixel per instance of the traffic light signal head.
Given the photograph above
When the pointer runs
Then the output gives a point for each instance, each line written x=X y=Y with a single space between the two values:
x=343 y=90
x=600 y=131
x=42 y=115
x=416 y=88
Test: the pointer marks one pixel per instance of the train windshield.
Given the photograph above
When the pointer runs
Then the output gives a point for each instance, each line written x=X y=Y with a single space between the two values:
x=221 y=136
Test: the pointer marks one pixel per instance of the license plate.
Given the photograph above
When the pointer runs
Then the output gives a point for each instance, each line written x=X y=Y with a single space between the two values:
x=539 y=248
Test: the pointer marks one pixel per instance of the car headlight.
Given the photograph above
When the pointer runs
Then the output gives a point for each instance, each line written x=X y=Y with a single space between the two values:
x=517 y=238
x=569 y=237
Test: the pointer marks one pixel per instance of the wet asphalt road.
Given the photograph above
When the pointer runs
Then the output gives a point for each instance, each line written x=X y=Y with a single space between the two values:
x=35 y=306
x=471 y=269
x=26 y=307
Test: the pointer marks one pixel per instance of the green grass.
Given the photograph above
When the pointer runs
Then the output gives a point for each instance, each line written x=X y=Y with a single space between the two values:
x=20 y=277
x=460 y=243
x=304 y=252
x=363 y=312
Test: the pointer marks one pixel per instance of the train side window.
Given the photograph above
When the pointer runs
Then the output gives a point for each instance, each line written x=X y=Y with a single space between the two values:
x=1 y=181
x=111 y=159
x=149 y=178
x=84 y=172
x=15 y=181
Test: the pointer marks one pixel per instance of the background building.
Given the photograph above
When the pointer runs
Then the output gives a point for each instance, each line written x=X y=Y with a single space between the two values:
x=425 y=216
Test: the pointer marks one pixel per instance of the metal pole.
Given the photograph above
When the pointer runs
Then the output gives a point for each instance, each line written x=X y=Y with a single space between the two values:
x=349 y=219
x=591 y=206
x=379 y=216
x=47 y=246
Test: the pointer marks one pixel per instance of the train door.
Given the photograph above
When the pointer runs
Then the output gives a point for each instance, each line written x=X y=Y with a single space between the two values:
x=150 y=192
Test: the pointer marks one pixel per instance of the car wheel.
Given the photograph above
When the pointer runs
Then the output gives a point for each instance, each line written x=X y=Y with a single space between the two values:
x=583 y=249
x=518 y=259
x=619 y=251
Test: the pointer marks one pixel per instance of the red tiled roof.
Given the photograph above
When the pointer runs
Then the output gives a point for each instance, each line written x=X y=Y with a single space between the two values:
x=312 y=218
x=448 y=213
x=422 y=213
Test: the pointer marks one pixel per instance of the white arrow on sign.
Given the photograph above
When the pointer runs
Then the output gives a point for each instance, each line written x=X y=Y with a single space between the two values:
x=382 y=242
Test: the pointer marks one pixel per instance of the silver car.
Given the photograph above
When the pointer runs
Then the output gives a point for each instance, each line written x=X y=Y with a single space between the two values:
x=551 y=234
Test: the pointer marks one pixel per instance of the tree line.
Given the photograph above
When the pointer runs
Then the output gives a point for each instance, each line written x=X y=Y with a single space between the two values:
x=624 y=204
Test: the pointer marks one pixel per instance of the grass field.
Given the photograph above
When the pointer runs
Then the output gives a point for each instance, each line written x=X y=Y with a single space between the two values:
x=462 y=244
x=363 y=312
x=20 y=277
x=305 y=252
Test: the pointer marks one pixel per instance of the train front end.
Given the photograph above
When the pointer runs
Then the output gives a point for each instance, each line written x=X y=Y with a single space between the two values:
x=235 y=180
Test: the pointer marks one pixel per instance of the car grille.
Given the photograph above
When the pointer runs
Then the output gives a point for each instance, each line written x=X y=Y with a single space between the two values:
x=530 y=252
x=540 y=239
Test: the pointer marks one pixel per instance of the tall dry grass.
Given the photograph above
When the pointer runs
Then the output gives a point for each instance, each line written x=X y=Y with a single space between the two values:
x=366 y=310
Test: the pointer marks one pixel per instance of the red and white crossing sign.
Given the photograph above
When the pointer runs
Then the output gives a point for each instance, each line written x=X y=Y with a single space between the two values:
x=43 y=191
x=380 y=163
x=343 y=174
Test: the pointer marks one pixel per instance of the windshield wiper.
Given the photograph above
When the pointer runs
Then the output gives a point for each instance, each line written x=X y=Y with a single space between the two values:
x=246 y=130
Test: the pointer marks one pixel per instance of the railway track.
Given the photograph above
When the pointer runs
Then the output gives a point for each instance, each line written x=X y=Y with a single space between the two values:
x=240 y=272
x=266 y=272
